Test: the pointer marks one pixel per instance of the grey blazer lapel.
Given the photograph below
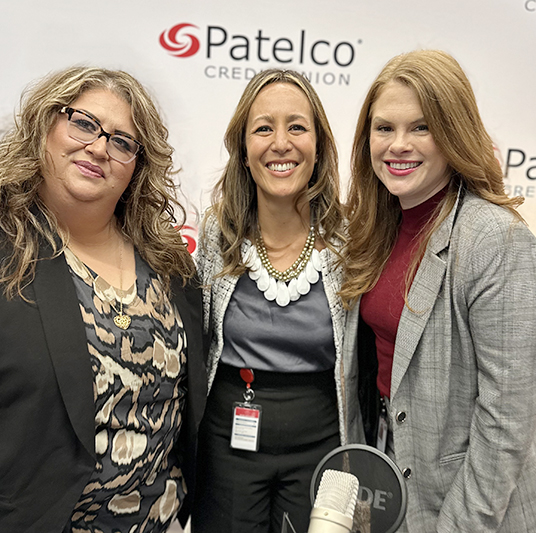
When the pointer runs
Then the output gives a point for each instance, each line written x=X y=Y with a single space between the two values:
x=67 y=343
x=421 y=298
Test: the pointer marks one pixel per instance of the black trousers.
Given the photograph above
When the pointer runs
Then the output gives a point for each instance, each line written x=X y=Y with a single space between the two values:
x=248 y=492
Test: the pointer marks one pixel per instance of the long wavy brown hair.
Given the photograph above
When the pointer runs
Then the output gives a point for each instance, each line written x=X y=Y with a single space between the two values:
x=234 y=199
x=450 y=110
x=146 y=210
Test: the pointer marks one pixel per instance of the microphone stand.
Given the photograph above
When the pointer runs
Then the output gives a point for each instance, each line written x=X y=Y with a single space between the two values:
x=287 y=524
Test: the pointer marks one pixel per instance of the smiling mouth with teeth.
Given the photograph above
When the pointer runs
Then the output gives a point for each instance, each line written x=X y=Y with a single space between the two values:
x=281 y=167
x=404 y=166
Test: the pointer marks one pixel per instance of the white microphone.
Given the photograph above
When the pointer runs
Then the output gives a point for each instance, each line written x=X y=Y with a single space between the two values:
x=334 y=507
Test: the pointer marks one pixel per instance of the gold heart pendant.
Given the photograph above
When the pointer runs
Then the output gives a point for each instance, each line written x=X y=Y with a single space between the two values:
x=122 y=321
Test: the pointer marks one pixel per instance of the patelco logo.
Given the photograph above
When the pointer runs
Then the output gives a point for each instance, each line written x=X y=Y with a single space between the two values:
x=238 y=56
x=300 y=48
x=180 y=44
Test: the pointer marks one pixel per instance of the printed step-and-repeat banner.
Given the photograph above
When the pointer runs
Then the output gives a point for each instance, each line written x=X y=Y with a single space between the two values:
x=196 y=57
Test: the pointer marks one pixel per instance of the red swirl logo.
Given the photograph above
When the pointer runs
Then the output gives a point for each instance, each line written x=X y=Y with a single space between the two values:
x=189 y=234
x=180 y=44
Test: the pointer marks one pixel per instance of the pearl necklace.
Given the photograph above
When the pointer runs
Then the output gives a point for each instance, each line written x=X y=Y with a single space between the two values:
x=303 y=273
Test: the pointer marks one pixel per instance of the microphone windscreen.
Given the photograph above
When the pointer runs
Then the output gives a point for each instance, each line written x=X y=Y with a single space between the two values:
x=338 y=491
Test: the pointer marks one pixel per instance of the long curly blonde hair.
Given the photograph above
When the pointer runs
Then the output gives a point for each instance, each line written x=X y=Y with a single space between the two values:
x=234 y=199
x=451 y=113
x=145 y=211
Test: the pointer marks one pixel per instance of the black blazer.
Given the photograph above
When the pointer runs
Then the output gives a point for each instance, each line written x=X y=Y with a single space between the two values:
x=47 y=411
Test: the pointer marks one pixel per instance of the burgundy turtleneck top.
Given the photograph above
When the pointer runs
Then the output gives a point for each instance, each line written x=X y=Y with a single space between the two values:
x=382 y=306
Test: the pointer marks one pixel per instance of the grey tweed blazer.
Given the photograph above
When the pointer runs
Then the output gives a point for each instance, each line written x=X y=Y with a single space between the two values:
x=464 y=375
x=217 y=292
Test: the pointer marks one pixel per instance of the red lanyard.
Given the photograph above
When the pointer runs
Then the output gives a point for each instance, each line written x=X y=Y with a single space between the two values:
x=248 y=377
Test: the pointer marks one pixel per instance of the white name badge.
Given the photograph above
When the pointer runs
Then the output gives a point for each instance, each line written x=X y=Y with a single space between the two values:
x=246 y=427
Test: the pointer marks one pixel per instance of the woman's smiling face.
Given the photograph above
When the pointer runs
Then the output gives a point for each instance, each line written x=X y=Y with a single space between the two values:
x=281 y=142
x=403 y=152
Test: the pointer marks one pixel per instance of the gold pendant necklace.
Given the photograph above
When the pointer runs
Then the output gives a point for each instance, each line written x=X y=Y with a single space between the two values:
x=120 y=320
x=293 y=270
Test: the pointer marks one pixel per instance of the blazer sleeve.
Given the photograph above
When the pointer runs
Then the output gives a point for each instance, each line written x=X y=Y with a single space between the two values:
x=188 y=301
x=498 y=288
x=204 y=260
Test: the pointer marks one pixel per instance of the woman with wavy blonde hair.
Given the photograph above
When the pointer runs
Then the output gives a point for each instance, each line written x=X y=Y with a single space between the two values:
x=441 y=280
x=272 y=234
x=144 y=210
x=99 y=303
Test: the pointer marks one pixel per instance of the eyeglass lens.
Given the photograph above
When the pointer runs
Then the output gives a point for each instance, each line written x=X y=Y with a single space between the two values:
x=84 y=129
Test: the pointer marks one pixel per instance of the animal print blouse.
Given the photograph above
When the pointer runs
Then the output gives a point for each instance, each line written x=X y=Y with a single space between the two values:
x=139 y=391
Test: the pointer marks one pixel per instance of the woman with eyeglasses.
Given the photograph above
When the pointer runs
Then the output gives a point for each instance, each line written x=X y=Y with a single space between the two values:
x=100 y=314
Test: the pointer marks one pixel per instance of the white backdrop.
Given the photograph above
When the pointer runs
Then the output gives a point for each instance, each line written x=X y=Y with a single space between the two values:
x=340 y=44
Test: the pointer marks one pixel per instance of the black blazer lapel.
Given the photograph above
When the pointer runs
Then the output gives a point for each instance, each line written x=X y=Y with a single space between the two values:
x=189 y=303
x=188 y=300
x=67 y=343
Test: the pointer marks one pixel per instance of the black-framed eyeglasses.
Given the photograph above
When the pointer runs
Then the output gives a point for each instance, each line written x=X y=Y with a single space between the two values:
x=84 y=128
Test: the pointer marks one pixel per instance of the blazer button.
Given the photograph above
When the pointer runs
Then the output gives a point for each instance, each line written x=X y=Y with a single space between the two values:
x=406 y=473
x=401 y=417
